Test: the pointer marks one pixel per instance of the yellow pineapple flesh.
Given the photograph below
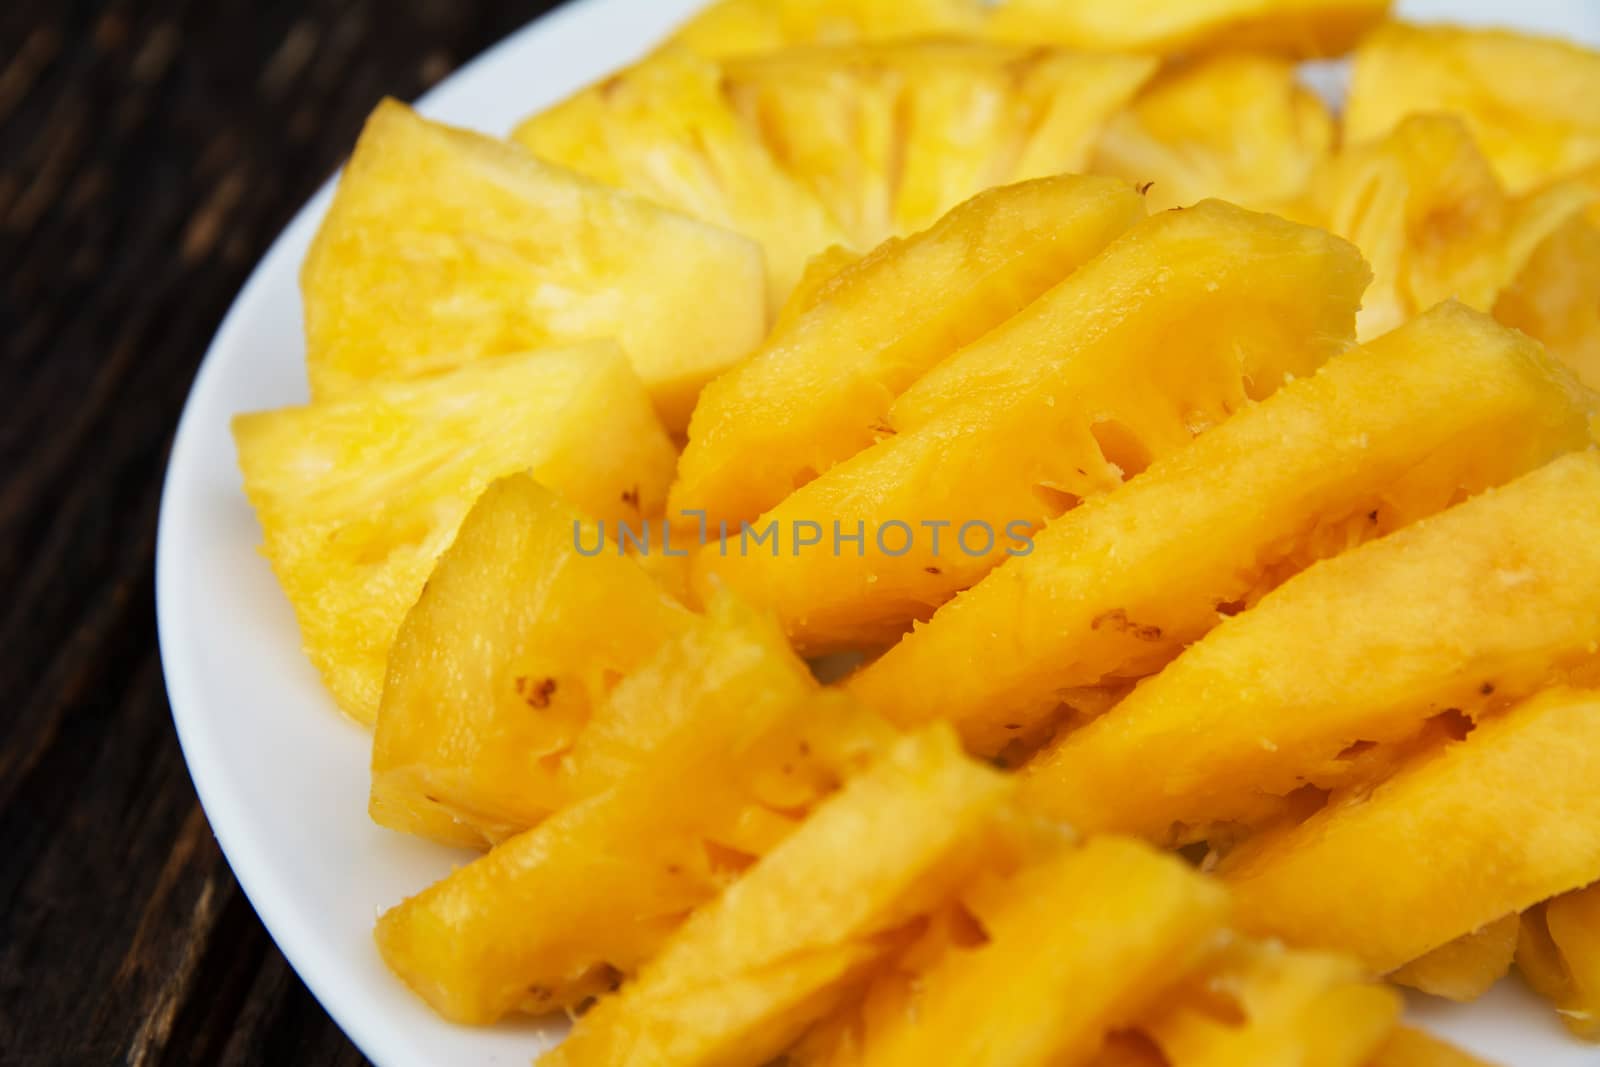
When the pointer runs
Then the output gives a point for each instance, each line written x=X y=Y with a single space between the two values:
x=1556 y=298
x=358 y=496
x=1409 y=1047
x=1558 y=953
x=1464 y=969
x=819 y=391
x=1465 y=612
x=1443 y=408
x=443 y=246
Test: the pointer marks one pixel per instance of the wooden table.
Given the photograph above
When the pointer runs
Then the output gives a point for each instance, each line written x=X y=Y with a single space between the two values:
x=149 y=153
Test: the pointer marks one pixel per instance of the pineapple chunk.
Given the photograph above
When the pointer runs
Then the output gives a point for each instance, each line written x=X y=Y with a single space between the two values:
x=776 y=952
x=1259 y=1003
x=1298 y=27
x=1467 y=611
x=928 y=124
x=1069 y=948
x=817 y=283
x=1186 y=318
x=666 y=130
x=819 y=391
x=1408 y=1047
x=1238 y=127
x=1472 y=831
x=359 y=496
x=499 y=665
x=1464 y=969
x=443 y=246
x=594 y=890
x=1428 y=213
x=1447 y=406
x=1554 y=298
x=1529 y=101
x=1558 y=952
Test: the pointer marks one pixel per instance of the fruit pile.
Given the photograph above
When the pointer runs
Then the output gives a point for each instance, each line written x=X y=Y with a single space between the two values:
x=1200 y=491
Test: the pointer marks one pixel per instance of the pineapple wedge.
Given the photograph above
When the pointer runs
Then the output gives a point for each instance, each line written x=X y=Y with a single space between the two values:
x=1558 y=952
x=1554 y=298
x=927 y=124
x=359 y=496
x=1468 y=611
x=1237 y=127
x=1529 y=101
x=443 y=246
x=1445 y=407
x=703 y=758
x=1429 y=215
x=1184 y=319
x=500 y=665
x=1464 y=969
x=819 y=391
x=1409 y=1047
x=776 y=952
x=1474 y=830
x=665 y=129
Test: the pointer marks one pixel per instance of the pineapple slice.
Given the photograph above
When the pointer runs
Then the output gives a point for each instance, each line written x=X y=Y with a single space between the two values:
x=500 y=664
x=1186 y=318
x=816 y=284
x=666 y=130
x=1259 y=1003
x=1554 y=298
x=1428 y=213
x=1467 y=611
x=1068 y=948
x=1455 y=840
x=1298 y=27
x=443 y=246
x=1408 y=1047
x=776 y=952
x=1529 y=101
x=1558 y=952
x=359 y=496
x=1238 y=127
x=819 y=391
x=1464 y=969
x=928 y=124
x=1447 y=406
x=595 y=889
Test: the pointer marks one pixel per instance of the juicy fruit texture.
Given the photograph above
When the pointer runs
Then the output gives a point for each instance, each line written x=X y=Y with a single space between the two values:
x=443 y=246
x=1475 y=830
x=1408 y=1047
x=1259 y=1003
x=1556 y=298
x=819 y=391
x=1299 y=27
x=815 y=285
x=1116 y=910
x=596 y=889
x=748 y=973
x=1529 y=101
x=1467 y=611
x=488 y=690
x=1558 y=952
x=893 y=136
x=1185 y=319
x=1431 y=218
x=359 y=496
x=665 y=129
x=1236 y=127
x=1440 y=409
x=1464 y=969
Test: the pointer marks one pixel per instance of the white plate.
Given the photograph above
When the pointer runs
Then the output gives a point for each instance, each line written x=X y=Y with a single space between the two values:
x=282 y=776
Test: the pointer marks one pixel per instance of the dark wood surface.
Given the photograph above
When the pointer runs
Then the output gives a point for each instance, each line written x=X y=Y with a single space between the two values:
x=149 y=153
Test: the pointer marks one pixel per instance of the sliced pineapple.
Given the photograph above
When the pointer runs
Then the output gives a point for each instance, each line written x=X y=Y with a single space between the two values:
x=1410 y=1047
x=665 y=129
x=893 y=136
x=1451 y=843
x=359 y=496
x=1467 y=611
x=703 y=758
x=1464 y=969
x=1558 y=952
x=443 y=246
x=1556 y=298
x=1238 y=127
x=499 y=667
x=1184 y=319
x=1445 y=407
x=815 y=285
x=819 y=391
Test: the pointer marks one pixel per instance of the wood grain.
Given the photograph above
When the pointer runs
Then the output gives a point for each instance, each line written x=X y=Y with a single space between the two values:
x=149 y=153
